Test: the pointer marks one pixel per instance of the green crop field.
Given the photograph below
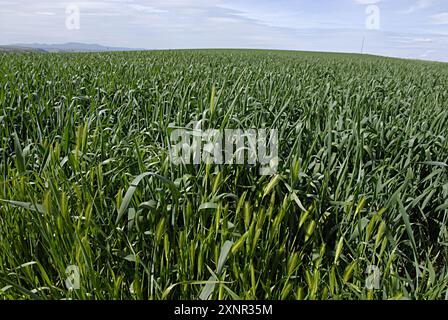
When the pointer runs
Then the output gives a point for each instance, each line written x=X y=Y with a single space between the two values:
x=358 y=207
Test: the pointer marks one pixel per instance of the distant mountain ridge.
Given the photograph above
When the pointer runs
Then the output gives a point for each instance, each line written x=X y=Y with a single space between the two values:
x=63 y=47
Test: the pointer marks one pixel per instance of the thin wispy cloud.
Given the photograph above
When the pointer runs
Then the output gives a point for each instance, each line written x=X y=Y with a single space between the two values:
x=419 y=5
x=440 y=18
x=366 y=2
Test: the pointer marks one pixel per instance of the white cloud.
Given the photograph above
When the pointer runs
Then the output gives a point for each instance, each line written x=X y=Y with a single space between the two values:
x=440 y=18
x=146 y=9
x=367 y=2
x=45 y=13
x=419 y=5
x=407 y=39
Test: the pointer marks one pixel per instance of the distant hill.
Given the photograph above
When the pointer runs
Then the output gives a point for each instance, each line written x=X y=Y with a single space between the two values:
x=64 y=47
x=19 y=49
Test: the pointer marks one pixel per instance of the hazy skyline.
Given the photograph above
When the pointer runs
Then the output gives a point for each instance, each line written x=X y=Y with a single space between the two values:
x=401 y=28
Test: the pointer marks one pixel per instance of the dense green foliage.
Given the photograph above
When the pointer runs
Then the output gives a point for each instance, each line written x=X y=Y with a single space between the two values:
x=362 y=180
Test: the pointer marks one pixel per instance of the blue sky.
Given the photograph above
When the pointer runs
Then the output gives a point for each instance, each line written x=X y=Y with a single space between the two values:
x=401 y=28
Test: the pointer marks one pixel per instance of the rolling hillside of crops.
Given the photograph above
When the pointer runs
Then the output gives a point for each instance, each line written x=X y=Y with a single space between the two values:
x=358 y=208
